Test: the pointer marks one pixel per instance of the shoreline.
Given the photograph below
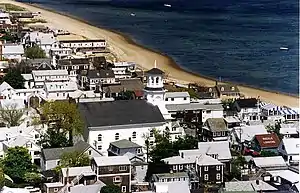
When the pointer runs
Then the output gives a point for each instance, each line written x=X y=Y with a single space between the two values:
x=117 y=40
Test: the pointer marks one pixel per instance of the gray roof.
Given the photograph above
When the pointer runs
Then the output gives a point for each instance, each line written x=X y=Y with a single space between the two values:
x=124 y=143
x=171 y=175
x=56 y=153
x=216 y=124
x=155 y=71
x=194 y=106
x=248 y=186
x=116 y=113
x=95 y=188
x=176 y=94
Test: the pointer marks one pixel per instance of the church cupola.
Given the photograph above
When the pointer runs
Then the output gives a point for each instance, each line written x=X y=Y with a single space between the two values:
x=154 y=90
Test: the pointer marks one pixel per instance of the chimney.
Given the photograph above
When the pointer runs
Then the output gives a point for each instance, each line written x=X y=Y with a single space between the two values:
x=1 y=52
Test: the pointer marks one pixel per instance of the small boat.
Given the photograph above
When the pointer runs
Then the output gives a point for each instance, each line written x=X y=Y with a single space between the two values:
x=167 y=5
x=283 y=48
x=132 y=14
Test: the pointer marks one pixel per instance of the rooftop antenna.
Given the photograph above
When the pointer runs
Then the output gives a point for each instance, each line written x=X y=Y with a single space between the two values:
x=154 y=63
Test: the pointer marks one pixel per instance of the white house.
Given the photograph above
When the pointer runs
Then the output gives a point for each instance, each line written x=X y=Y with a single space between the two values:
x=44 y=40
x=123 y=70
x=22 y=135
x=40 y=76
x=78 y=45
x=289 y=130
x=111 y=121
x=4 y=18
x=177 y=98
x=12 y=51
x=247 y=109
x=289 y=148
x=59 y=90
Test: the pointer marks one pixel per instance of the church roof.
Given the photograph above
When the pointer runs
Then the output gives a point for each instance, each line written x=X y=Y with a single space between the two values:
x=155 y=71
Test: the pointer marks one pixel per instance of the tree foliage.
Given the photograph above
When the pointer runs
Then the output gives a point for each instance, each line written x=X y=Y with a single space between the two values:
x=35 y=52
x=14 y=78
x=236 y=165
x=164 y=148
x=33 y=178
x=275 y=129
x=17 y=163
x=65 y=116
x=110 y=189
x=73 y=159
x=53 y=138
x=11 y=116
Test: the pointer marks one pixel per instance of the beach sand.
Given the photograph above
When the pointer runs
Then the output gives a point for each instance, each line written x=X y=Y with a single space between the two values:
x=126 y=50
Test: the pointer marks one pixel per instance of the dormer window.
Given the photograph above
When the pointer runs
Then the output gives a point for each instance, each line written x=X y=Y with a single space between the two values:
x=232 y=88
x=222 y=88
x=210 y=89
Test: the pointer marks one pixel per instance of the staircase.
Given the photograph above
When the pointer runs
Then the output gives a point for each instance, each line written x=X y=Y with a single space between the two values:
x=73 y=183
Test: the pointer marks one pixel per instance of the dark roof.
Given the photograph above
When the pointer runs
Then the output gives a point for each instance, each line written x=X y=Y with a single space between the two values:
x=70 y=41
x=56 y=153
x=155 y=71
x=127 y=84
x=100 y=74
x=124 y=144
x=247 y=103
x=154 y=89
x=216 y=124
x=74 y=61
x=226 y=88
x=97 y=114
x=268 y=140
x=38 y=61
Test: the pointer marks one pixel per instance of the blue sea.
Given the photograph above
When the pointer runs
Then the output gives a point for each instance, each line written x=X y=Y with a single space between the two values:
x=231 y=40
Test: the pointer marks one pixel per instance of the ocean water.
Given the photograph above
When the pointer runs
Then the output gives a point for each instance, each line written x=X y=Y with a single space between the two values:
x=231 y=40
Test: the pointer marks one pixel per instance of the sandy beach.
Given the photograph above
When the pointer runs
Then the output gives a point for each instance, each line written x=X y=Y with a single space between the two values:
x=127 y=50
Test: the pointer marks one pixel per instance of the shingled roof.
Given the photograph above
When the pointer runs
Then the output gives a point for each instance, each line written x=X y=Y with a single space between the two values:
x=216 y=124
x=155 y=71
x=124 y=143
x=127 y=112
x=56 y=153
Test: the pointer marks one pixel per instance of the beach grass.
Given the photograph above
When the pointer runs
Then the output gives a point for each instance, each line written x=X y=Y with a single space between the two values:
x=11 y=7
x=34 y=21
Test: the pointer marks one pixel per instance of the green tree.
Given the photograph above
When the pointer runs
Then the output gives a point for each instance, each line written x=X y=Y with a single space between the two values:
x=236 y=165
x=14 y=78
x=111 y=189
x=12 y=116
x=275 y=129
x=35 y=52
x=73 y=159
x=53 y=138
x=66 y=117
x=17 y=163
x=33 y=178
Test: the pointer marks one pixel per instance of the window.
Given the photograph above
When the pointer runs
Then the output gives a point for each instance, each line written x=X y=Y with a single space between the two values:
x=117 y=136
x=180 y=167
x=174 y=167
x=206 y=177
x=218 y=133
x=99 y=147
x=208 y=111
x=134 y=135
x=206 y=168
x=151 y=143
x=218 y=168
x=173 y=128
x=58 y=162
x=283 y=148
x=123 y=168
x=218 y=176
x=139 y=151
x=172 y=99
x=166 y=99
x=117 y=179
x=184 y=98
x=90 y=152
x=36 y=136
x=123 y=188
x=55 y=190
x=151 y=133
x=110 y=168
x=99 y=137
x=57 y=94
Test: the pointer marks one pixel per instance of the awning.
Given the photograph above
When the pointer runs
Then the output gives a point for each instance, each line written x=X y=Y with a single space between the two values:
x=288 y=112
